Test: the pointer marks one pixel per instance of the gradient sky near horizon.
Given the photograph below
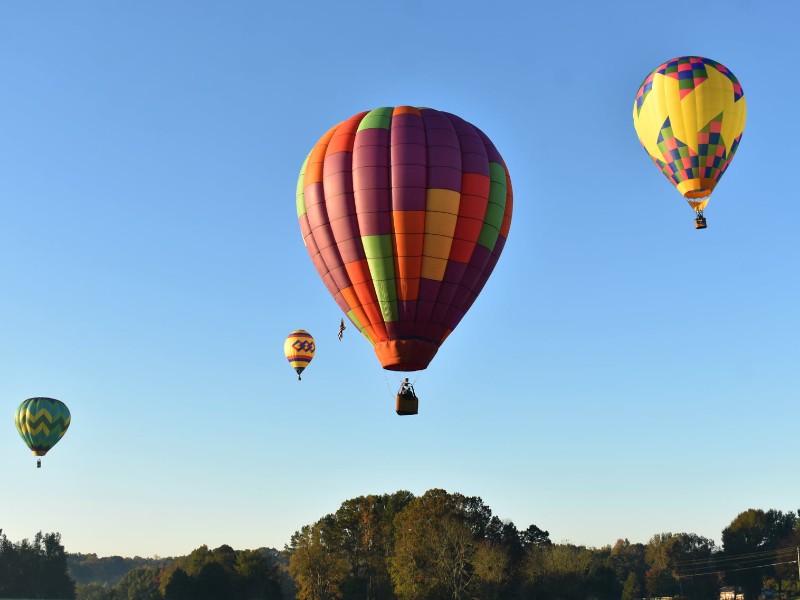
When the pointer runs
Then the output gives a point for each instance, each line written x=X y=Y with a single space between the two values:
x=621 y=375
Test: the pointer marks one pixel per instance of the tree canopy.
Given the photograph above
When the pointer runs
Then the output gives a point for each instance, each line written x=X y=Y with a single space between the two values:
x=34 y=569
x=437 y=546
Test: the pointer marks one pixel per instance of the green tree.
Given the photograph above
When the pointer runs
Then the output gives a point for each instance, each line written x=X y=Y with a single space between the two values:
x=94 y=591
x=362 y=531
x=141 y=583
x=88 y=568
x=437 y=541
x=223 y=573
x=511 y=541
x=317 y=568
x=10 y=569
x=533 y=536
x=214 y=582
x=197 y=559
x=754 y=531
x=453 y=551
x=225 y=556
x=626 y=559
x=492 y=567
x=35 y=569
x=257 y=574
x=567 y=572
x=667 y=555
x=786 y=575
x=179 y=586
x=632 y=588
x=53 y=570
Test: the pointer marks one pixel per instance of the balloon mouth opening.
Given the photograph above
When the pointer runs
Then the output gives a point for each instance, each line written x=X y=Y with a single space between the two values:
x=699 y=204
x=695 y=189
x=405 y=355
x=39 y=452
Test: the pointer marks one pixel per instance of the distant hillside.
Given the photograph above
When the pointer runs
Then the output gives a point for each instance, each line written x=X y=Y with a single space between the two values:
x=89 y=568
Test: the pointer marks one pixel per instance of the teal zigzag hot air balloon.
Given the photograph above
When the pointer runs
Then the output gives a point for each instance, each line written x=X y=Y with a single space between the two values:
x=41 y=422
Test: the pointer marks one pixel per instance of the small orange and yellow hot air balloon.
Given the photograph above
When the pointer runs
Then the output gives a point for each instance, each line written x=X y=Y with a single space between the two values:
x=299 y=349
x=689 y=114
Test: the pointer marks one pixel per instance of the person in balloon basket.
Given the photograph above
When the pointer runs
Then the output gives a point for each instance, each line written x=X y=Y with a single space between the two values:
x=407 y=389
x=407 y=401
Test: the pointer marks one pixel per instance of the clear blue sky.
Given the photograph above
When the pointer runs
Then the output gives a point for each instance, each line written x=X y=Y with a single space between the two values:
x=621 y=374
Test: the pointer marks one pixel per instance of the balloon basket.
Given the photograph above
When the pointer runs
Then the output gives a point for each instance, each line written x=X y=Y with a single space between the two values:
x=700 y=223
x=407 y=404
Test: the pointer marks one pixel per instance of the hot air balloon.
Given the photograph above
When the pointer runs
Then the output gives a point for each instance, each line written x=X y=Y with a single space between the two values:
x=404 y=212
x=689 y=114
x=299 y=349
x=41 y=422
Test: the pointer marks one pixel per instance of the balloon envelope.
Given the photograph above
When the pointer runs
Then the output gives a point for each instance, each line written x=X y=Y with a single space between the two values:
x=299 y=349
x=404 y=212
x=41 y=422
x=689 y=114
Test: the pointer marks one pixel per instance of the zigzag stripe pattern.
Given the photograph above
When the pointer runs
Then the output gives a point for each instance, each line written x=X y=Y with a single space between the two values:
x=42 y=422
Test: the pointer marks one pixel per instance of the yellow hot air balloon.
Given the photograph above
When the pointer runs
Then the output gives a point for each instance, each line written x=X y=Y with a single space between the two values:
x=689 y=114
x=299 y=349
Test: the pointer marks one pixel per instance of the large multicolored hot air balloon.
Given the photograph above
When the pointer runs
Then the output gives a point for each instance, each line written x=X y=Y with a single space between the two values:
x=42 y=422
x=689 y=114
x=299 y=349
x=404 y=212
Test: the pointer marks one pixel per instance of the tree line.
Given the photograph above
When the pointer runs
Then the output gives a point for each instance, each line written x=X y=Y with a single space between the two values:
x=219 y=574
x=34 y=569
x=447 y=546
x=107 y=570
x=438 y=546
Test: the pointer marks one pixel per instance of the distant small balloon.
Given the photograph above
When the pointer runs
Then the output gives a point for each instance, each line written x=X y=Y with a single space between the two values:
x=42 y=422
x=299 y=349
